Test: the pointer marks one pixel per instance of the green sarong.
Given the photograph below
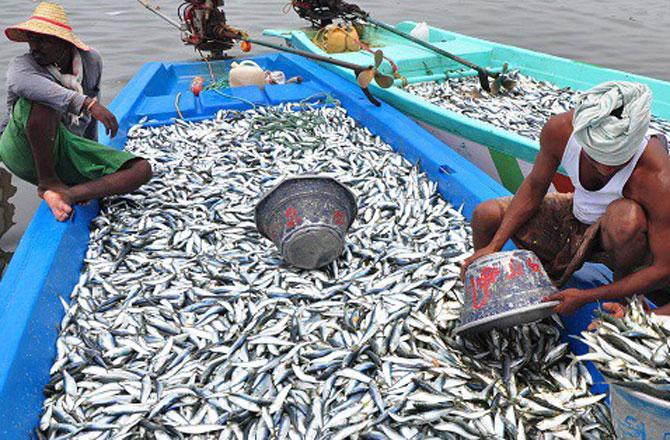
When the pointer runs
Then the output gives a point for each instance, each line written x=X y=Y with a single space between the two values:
x=76 y=159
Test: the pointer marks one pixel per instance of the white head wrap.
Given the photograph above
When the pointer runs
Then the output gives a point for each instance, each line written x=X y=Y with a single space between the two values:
x=606 y=138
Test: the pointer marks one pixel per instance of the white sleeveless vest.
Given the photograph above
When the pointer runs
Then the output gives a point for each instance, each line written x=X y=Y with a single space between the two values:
x=589 y=206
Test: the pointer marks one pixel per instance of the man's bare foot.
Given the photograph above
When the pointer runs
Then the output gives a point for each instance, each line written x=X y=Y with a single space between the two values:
x=59 y=202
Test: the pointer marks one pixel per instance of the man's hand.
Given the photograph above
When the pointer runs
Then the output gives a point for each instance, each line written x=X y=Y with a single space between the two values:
x=60 y=203
x=472 y=258
x=571 y=300
x=613 y=308
x=100 y=113
x=47 y=184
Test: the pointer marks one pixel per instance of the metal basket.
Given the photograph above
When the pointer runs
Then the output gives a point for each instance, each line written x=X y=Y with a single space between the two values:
x=307 y=217
x=505 y=289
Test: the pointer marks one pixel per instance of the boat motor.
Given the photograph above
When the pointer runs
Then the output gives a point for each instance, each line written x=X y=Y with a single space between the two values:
x=322 y=12
x=201 y=18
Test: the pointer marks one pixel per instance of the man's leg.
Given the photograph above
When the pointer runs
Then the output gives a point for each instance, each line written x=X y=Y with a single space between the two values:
x=553 y=233
x=128 y=178
x=623 y=236
x=41 y=129
x=486 y=220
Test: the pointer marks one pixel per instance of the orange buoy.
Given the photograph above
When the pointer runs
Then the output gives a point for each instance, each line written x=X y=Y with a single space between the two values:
x=245 y=46
x=197 y=84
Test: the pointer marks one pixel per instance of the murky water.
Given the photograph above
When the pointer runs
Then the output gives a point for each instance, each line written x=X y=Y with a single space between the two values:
x=626 y=35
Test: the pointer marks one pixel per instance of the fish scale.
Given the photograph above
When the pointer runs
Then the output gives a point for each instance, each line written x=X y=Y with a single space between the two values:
x=219 y=338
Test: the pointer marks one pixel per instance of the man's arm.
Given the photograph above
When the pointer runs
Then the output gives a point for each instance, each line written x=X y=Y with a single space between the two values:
x=93 y=63
x=650 y=188
x=99 y=111
x=528 y=198
x=535 y=186
x=28 y=81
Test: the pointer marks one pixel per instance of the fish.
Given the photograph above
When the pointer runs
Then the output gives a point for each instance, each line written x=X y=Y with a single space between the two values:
x=186 y=322
x=523 y=109
x=633 y=350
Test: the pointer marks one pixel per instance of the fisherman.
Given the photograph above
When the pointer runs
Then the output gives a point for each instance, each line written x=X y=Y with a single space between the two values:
x=49 y=137
x=619 y=213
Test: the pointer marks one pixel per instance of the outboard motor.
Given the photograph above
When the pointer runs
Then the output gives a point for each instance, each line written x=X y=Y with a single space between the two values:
x=322 y=12
x=202 y=18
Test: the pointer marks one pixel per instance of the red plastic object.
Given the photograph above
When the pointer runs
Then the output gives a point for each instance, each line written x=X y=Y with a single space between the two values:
x=196 y=85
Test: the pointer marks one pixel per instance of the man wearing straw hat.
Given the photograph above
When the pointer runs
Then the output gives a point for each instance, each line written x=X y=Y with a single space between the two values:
x=619 y=213
x=49 y=137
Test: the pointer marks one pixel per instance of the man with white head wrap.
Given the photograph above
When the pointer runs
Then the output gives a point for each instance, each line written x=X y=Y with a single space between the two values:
x=607 y=139
x=620 y=170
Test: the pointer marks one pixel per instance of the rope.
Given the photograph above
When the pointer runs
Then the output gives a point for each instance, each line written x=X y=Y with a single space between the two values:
x=176 y=105
x=211 y=72
x=214 y=83
x=329 y=99
x=219 y=84
x=272 y=125
x=237 y=98
x=287 y=7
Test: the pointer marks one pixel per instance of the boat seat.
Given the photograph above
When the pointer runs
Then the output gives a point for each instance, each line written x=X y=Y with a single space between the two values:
x=276 y=94
x=415 y=60
x=163 y=107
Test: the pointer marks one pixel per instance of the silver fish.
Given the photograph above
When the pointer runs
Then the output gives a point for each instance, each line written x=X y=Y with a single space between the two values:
x=186 y=322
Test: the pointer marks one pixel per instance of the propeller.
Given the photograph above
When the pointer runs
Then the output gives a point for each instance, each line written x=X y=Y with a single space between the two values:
x=365 y=77
x=504 y=80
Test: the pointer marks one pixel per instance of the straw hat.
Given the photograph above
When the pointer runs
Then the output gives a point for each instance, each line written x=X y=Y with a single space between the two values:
x=47 y=19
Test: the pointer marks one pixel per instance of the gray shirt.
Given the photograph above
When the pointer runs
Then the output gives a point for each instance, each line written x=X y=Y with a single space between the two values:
x=27 y=79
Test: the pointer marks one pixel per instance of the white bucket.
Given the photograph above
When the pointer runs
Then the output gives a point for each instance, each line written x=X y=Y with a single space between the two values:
x=639 y=416
x=246 y=73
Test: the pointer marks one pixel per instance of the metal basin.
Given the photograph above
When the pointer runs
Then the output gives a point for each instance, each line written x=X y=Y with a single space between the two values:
x=505 y=289
x=307 y=217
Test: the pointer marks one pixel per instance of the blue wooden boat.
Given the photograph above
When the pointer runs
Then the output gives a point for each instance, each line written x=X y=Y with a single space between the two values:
x=504 y=155
x=50 y=256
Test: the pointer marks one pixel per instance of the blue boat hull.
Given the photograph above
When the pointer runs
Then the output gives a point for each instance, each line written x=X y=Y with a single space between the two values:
x=50 y=256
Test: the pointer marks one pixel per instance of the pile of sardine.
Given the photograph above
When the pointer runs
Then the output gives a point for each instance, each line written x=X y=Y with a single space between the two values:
x=633 y=350
x=523 y=110
x=187 y=324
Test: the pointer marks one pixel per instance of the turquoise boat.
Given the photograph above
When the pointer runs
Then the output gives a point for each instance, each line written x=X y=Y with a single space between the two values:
x=502 y=154
x=50 y=256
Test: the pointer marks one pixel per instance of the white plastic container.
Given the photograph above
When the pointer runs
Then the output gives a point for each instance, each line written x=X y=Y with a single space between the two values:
x=638 y=416
x=421 y=31
x=246 y=73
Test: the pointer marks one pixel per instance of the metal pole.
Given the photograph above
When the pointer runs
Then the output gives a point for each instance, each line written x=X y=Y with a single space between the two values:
x=146 y=4
x=305 y=54
x=481 y=72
